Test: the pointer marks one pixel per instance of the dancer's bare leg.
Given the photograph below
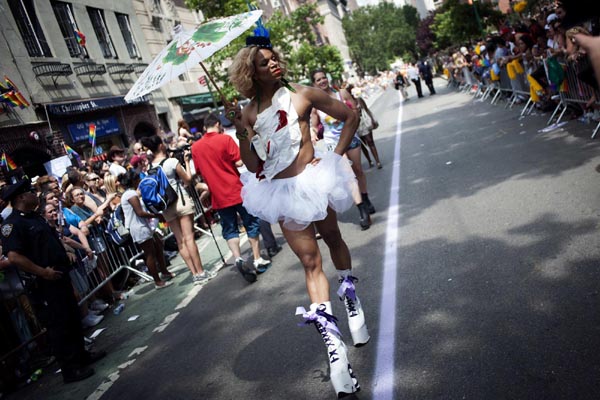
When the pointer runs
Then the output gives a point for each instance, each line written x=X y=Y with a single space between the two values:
x=304 y=245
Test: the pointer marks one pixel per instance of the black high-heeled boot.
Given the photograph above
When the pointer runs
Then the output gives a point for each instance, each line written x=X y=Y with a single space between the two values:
x=365 y=219
x=367 y=202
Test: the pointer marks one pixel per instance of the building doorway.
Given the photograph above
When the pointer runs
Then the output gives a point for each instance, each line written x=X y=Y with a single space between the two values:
x=143 y=129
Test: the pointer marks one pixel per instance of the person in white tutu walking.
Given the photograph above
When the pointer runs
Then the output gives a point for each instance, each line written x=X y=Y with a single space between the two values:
x=288 y=183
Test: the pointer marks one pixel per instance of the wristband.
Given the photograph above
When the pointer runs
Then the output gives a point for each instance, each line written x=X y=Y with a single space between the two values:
x=243 y=135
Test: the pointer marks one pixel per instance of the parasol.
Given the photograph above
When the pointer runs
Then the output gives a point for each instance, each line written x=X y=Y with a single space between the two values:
x=189 y=48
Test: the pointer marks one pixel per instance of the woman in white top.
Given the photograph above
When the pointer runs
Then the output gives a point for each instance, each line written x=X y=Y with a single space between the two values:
x=180 y=215
x=137 y=220
x=332 y=129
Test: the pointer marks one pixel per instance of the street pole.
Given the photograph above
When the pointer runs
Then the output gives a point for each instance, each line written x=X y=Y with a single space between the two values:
x=476 y=16
x=212 y=96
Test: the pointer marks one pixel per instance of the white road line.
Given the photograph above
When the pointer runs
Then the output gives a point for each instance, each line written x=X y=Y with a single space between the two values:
x=190 y=296
x=383 y=386
x=163 y=325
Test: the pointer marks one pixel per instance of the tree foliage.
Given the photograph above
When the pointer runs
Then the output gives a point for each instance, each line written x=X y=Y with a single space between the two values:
x=377 y=35
x=293 y=35
x=456 y=23
x=217 y=8
x=425 y=36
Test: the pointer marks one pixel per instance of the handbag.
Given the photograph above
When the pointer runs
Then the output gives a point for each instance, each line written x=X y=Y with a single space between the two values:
x=366 y=123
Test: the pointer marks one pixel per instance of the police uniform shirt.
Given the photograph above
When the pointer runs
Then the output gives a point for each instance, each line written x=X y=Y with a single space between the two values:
x=30 y=235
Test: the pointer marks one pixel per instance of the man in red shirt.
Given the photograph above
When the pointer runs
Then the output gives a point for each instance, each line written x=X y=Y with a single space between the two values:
x=217 y=158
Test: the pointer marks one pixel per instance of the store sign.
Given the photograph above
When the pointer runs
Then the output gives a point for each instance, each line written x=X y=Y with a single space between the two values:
x=104 y=127
x=201 y=98
x=79 y=107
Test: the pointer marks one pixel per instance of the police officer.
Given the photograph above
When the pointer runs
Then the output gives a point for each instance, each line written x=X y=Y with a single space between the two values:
x=35 y=248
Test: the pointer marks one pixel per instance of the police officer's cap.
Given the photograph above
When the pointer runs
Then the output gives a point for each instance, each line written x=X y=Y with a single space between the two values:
x=9 y=192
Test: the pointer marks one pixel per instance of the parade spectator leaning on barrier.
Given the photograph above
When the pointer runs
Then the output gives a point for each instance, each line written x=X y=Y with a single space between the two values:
x=94 y=221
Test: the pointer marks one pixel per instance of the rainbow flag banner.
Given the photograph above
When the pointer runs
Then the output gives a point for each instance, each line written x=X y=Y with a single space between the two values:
x=70 y=151
x=80 y=38
x=7 y=162
x=11 y=94
x=92 y=134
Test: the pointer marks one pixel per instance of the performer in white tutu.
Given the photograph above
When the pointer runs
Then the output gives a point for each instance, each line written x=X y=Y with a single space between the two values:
x=289 y=184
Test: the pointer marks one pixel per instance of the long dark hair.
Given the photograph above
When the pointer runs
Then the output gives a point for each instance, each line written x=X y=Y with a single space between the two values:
x=129 y=179
x=152 y=143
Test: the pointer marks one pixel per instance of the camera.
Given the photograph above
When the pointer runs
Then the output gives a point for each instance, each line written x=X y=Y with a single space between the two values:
x=178 y=152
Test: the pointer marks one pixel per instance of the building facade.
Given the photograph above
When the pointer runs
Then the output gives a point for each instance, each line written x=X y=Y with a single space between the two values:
x=73 y=62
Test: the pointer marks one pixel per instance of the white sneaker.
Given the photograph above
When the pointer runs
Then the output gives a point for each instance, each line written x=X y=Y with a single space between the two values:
x=201 y=279
x=98 y=305
x=91 y=320
x=261 y=265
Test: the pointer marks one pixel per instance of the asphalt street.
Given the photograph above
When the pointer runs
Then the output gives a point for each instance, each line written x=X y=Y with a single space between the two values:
x=496 y=283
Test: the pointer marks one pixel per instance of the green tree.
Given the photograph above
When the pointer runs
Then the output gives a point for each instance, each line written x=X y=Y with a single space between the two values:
x=456 y=23
x=217 y=8
x=377 y=35
x=293 y=35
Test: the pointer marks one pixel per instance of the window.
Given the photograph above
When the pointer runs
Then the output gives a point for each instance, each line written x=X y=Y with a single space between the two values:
x=68 y=26
x=99 y=24
x=125 y=26
x=29 y=27
x=157 y=7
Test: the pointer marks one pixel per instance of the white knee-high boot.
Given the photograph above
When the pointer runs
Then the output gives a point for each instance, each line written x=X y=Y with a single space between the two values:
x=341 y=374
x=354 y=310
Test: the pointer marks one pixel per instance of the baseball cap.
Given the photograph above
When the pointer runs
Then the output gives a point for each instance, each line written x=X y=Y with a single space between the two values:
x=9 y=192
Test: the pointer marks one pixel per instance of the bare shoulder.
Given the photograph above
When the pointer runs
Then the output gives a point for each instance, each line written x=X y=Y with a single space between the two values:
x=249 y=113
x=303 y=98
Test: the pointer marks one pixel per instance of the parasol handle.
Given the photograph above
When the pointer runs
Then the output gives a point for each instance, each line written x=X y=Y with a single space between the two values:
x=225 y=102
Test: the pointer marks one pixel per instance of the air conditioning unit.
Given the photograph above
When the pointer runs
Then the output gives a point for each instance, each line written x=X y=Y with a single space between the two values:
x=275 y=3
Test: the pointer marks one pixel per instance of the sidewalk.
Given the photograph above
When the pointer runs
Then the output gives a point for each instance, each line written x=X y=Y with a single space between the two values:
x=122 y=338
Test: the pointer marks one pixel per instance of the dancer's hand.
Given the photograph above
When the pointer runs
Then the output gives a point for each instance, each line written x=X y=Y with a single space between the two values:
x=315 y=161
x=233 y=112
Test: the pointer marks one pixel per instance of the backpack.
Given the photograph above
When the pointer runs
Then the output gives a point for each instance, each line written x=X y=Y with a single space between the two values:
x=116 y=228
x=157 y=193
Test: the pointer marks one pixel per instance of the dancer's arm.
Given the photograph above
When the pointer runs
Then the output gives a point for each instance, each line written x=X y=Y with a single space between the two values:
x=321 y=100
x=244 y=134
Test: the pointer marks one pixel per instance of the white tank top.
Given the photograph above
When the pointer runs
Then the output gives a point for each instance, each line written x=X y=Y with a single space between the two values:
x=332 y=128
x=278 y=136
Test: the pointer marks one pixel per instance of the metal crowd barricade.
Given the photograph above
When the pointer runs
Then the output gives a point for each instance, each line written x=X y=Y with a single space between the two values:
x=89 y=277
x=577 y=91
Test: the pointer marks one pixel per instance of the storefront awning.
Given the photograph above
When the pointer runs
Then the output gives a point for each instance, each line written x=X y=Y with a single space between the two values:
x=80 y=107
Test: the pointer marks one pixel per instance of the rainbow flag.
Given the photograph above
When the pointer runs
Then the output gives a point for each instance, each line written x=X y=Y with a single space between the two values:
x=13 y=96
x=70 y=151
x=7 y=162
x=92 y=135
x=11 y=99
x=80 y=38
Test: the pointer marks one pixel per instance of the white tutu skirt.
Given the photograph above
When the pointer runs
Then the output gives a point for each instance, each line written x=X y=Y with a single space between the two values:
x=302 y=199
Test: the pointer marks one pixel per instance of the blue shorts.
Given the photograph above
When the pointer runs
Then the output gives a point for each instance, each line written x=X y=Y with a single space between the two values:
x=229 y=223
x=354 y=143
